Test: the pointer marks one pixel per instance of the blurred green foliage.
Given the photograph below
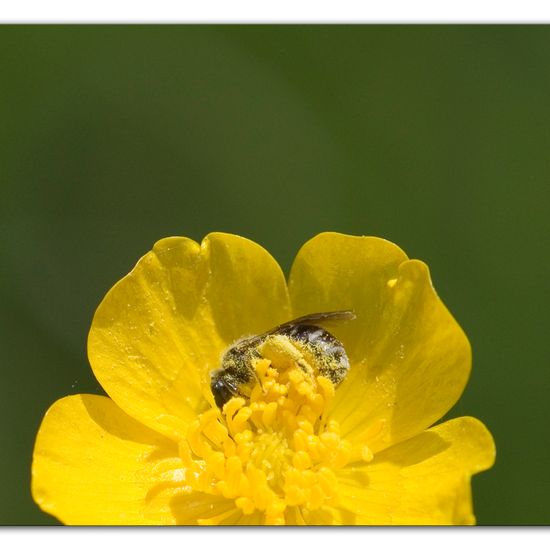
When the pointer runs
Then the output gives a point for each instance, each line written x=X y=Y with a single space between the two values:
x=435 y=137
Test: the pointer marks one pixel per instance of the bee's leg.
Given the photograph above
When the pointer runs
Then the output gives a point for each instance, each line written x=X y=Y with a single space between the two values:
x=259 y=380
x=306 y=368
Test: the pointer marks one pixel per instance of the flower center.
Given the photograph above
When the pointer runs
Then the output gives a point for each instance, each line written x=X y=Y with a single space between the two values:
x=274 y=453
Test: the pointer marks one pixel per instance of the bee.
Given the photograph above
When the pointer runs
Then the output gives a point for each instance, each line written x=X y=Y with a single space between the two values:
x=237 y=364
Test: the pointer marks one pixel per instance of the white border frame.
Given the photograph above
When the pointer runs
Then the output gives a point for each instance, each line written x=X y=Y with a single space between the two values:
x=272 y=11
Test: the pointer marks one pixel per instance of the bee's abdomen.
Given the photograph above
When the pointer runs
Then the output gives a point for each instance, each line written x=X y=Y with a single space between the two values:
x=329 y=353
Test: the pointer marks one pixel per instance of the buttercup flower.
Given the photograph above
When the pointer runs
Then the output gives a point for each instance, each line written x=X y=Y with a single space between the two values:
x=288 y=445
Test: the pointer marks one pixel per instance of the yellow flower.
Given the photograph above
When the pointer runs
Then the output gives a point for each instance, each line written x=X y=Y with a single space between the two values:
x=296 y=448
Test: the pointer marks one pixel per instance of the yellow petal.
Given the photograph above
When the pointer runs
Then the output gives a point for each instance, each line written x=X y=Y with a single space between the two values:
x=422 y=481
x=204 y=509
x=410 y=359
x=160 y=330
x=94 y=465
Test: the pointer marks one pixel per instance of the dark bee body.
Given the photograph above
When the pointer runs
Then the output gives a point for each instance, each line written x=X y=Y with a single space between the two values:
x=236 y=371
x=327 y=352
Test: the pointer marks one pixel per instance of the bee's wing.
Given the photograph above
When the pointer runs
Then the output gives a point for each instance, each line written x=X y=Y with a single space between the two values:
x=312 y=318
x=328 y=316
x=344 y=315
x=251 y=341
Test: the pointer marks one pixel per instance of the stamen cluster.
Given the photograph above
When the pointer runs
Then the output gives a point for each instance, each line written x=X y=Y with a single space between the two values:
x=274 y=453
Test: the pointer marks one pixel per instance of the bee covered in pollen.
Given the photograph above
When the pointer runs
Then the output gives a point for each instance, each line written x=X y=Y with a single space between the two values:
x=323 y=350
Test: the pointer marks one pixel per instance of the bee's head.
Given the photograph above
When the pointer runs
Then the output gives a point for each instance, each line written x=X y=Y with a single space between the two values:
x=223 y=387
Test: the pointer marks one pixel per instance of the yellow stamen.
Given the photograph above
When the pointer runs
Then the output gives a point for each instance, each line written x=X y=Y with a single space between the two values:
x=275 y=453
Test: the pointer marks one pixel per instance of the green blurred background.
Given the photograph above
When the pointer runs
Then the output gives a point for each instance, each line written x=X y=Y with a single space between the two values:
x=435 y=137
